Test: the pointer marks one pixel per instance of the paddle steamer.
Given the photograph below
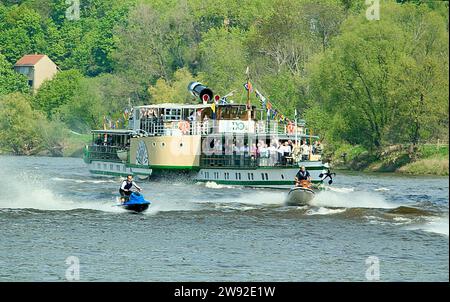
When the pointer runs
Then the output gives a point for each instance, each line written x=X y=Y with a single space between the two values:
x=213 y=140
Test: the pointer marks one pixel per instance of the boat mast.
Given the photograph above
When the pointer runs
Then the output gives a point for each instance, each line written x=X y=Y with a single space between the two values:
x=296 y=130
x=249 y=108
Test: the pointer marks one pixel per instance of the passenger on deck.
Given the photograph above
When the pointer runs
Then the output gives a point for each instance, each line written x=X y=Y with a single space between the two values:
x=285 y=151
x=98 y=140
x=125 y=188
x=273 y=153
x=305 y=151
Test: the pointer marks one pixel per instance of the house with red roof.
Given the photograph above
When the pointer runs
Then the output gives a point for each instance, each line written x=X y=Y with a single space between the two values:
x=37 y=68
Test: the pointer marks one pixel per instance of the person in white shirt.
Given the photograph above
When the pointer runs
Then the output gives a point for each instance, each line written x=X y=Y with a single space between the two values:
x=305 y=151
x=125 y=189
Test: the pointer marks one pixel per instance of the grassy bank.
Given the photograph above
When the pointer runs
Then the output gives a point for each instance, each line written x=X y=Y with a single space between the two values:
x=75 y=143
x=434 y=161
x=430 y=159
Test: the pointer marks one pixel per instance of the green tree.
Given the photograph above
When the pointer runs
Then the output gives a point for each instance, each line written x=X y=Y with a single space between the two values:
x=174 y=91
x=21 y=32
x=86 y=108
x=20 y=126
x=142 y=53
x=57 y=92
x=11 y=81
x=223 y=59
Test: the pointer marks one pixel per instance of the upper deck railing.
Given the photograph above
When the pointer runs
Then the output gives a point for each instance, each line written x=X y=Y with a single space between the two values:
x=102 y=152
x=154 y=127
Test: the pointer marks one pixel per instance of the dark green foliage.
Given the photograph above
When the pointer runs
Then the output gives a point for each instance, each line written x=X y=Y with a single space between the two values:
x=357 y=82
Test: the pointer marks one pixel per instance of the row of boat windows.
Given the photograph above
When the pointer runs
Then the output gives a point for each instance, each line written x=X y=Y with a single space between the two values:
x=215 y=175
x=237 y=175
x=111 y=167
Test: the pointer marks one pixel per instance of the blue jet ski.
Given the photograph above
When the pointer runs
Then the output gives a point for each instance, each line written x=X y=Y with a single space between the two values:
x=136 y=203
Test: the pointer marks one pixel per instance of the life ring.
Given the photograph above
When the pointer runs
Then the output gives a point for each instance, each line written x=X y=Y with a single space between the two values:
x=184 y=127
x=290 y=128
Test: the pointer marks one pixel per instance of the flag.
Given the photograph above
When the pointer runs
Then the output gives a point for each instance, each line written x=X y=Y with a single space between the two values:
x=213 y=108
x=248 y=86
x=261 y=98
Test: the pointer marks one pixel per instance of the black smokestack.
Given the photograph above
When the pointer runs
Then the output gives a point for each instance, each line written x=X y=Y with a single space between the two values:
x=199 y=90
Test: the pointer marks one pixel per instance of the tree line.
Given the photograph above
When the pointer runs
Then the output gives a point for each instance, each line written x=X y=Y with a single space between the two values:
x=370 y=83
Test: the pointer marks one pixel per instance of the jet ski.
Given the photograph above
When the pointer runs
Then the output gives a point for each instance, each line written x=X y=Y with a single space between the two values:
x=136 y=202
x=300 y=195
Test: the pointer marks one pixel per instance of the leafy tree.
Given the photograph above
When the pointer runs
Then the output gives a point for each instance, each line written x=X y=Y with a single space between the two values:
x=57 y=92
x=19 y=125
x=174 y=91
x=21 y=32
x=86 y=109
x=142 y=55
x=11 y=81
x=223 y=59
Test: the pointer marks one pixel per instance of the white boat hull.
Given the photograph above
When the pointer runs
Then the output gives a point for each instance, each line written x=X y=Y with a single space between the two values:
x=300 y=196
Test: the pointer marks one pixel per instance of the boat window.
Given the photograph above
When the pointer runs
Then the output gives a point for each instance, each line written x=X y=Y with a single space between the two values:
x=267 y=176
x=163 y=144
x=172 y=114
x=282 y=176
x=262 y=176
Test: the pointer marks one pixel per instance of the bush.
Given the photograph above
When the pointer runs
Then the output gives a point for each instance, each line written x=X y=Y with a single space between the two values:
x=24 y=131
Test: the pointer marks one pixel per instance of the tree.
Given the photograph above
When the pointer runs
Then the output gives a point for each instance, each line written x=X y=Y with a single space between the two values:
x=86 y=108
x=11 y=81
x=142 y=53
x=223 y=59
x=174 y=91
x=424 y=80
x=19 y=125
x=389 y=78
x=57 y=92
x=21 y=32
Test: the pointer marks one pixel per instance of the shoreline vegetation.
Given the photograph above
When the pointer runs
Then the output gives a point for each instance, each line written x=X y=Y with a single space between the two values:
x=428 y=159
x=376 y=91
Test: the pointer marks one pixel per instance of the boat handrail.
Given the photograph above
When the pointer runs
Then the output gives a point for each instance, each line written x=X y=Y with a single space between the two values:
x=155 y=127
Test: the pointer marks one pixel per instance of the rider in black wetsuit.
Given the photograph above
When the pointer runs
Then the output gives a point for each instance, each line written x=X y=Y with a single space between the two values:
x=125 y=188
x=302 y=174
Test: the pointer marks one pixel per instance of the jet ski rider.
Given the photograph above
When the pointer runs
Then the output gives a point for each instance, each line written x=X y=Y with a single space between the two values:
x=125 y=188
x=302 y=175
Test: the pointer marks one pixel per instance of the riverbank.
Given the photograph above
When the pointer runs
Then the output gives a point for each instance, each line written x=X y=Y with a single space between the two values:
x=71 y=146
x=429 y=159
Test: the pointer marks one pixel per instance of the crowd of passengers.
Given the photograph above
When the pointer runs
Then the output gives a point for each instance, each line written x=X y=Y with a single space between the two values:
x=271 y=154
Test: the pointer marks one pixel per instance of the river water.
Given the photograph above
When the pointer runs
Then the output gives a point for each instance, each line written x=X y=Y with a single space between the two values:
x=366 y=227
